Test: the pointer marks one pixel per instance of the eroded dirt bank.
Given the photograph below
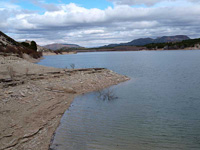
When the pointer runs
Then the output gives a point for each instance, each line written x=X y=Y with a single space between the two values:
x=33 y=98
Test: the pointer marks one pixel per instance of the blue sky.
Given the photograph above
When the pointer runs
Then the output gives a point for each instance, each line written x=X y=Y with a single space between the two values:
x=100 y=4
x=98 y=22
x=30 y=5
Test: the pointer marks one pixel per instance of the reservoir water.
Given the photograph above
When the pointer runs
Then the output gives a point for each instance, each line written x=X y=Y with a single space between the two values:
x=158 y=109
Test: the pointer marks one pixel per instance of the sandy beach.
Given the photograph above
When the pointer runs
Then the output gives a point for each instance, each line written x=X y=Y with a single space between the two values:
x=33 y=99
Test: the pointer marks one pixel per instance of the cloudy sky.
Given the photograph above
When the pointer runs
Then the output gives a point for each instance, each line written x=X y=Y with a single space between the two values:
x=98 y=22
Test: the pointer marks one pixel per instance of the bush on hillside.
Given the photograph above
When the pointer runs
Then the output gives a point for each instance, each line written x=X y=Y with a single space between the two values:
x=25 y=44
x=32 y=46
x=20 y=50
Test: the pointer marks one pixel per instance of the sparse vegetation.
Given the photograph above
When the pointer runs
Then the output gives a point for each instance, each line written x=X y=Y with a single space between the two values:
x=174 y=45
x=11 y=46
x=25 y=44
x=10 y=40
x=32 y=46
x=58 y=52
x=20 y=50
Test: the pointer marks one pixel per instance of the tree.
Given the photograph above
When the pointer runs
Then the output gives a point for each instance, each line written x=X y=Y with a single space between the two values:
x=33 y=46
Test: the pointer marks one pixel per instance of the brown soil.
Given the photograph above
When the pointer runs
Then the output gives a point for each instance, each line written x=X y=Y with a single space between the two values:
x=33 y=99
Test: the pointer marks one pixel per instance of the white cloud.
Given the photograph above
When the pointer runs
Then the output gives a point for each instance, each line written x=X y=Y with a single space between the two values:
x=92 y=27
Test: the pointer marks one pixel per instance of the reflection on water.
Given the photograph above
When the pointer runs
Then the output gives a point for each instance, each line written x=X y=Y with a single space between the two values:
x=158 y=109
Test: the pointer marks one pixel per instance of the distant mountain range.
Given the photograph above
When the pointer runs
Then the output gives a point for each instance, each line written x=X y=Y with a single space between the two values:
x=145 y=41
x=57 y=46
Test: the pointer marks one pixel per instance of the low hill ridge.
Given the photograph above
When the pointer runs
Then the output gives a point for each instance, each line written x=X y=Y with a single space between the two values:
x=145 y=41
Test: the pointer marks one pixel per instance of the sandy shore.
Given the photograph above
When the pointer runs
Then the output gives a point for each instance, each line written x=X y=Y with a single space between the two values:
x=33 y=99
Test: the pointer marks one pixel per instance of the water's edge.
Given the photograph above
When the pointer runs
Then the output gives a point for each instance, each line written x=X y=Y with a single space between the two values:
x=79 y=95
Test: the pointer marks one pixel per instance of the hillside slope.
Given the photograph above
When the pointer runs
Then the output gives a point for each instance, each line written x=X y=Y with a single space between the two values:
x=7 y=41
x=10 y=46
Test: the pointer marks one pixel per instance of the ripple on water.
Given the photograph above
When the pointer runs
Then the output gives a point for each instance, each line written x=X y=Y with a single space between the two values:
x=157 y=110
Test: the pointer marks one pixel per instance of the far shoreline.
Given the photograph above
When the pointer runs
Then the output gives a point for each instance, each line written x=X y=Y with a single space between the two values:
x=53 y=53
x=110 y=50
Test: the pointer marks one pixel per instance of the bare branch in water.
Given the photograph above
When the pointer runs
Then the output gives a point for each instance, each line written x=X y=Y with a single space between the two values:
x=107 y=94
x=72 y=66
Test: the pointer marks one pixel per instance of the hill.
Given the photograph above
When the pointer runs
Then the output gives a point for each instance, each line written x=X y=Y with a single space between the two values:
x=10 y=46
x=7 y=41
x=57 y=46
x=145 y=41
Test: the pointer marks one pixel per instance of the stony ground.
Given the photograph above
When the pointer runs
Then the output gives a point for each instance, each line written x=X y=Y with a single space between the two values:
x=33 y=100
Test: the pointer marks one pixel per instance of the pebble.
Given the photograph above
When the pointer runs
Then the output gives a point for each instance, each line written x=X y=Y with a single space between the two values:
x=8 y=92
x=22 y=94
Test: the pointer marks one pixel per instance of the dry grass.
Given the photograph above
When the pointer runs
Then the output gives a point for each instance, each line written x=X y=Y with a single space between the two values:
x=20 y=50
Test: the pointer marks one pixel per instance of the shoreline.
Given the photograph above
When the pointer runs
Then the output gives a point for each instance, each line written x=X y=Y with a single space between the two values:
x=52 y=53
x=33 y=102
x=112 y=50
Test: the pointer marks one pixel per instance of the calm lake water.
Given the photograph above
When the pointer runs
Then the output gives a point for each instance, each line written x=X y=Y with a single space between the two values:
x=158 y=109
